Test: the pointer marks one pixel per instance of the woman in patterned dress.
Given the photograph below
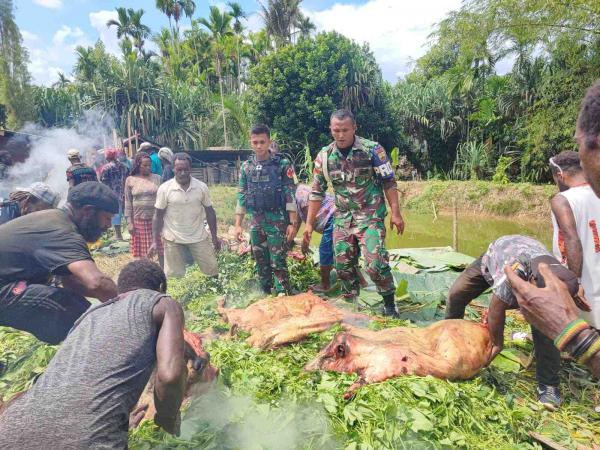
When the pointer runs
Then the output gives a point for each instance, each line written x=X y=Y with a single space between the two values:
x=140 y=195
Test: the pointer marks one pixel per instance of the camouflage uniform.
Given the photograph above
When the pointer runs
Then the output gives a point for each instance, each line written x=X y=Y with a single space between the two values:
x=358 y=182
x=259 y=181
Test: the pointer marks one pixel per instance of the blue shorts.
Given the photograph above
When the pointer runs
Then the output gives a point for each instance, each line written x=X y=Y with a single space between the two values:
x=326 y=245
x=116 y=219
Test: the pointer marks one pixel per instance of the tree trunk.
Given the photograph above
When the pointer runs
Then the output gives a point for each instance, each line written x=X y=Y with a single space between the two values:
x=226 y=143
x=239 y=74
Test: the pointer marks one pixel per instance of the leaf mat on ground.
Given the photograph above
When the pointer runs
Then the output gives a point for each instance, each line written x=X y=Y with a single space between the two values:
x=496 y=409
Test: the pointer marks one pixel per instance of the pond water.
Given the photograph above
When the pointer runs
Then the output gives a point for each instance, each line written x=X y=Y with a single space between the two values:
x=475 y=232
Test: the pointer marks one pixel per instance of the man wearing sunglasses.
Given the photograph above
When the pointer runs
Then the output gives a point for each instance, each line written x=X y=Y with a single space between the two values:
x=576 y=217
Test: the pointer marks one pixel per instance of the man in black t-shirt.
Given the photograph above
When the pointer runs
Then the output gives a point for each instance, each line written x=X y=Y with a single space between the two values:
x=50 y=243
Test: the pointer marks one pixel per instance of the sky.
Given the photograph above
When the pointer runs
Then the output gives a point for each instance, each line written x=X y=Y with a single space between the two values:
x=396 y=30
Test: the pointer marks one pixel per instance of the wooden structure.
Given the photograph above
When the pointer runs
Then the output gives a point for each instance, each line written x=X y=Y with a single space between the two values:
x=218 y=166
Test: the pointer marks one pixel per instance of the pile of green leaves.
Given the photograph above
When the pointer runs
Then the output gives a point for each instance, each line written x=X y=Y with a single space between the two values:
x=266 y=395
x=497 y=409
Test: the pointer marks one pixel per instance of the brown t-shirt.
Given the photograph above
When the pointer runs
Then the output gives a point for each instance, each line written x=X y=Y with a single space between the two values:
x=38 y=245
x=140 y=196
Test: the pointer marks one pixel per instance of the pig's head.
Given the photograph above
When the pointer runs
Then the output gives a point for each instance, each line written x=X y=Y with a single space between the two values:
x=200 y=370
x=337 y=356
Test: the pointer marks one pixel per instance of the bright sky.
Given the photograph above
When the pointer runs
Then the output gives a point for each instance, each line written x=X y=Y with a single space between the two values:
x=396 y=30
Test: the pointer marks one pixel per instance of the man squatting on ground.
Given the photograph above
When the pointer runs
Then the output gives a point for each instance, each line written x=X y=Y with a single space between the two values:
x=266 y=193
x=524 y=256
x=53 y=243
x=182 y=204
x=84 y=398
x=575 y=218
x=361 y=173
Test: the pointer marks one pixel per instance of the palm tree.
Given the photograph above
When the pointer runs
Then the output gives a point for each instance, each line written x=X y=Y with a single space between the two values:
x=219 y=27
x=280 y=16
x=62 y=81
x=237 y=13
x=139 y=31
x=166 y=6
x=123 y=23
x=174 y=9
x=85 y=66
x=305 y=26
x=129 y=25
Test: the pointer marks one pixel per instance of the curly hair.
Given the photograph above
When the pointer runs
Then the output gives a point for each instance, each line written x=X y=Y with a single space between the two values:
x=137 y=162
x=141 y=274
x=568 y=161
x=588 y=121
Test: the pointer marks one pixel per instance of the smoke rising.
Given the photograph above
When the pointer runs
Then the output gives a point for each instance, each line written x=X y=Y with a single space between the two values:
x=241 y=422
x=47 y=159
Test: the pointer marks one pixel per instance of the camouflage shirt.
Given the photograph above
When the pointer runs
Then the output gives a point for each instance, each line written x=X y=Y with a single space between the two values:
x=358 y=181
x=249 y=170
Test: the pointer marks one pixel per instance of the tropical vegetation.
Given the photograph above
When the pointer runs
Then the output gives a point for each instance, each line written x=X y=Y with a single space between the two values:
x=501 y=80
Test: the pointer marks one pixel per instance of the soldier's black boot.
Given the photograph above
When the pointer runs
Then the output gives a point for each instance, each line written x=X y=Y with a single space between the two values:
x=389 y=306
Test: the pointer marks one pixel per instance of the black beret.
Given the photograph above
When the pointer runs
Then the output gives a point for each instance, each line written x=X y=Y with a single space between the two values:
x=95 y=194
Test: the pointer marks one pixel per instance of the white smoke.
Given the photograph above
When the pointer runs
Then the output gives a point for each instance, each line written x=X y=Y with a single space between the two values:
x=47 y=161
x=241 y=422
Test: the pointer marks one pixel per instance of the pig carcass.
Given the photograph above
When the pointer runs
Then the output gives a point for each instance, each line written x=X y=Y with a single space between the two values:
x=273 y=322
x=199 y=378
x=448 y=349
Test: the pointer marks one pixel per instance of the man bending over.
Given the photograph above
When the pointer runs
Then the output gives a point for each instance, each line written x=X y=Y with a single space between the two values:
x=84 y=398
x=524 y=256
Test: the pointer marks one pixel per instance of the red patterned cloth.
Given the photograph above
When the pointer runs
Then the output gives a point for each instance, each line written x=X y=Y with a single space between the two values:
x=142 y=238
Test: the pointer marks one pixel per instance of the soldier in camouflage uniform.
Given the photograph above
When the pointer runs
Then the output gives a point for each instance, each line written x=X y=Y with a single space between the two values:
x=361 y=174
x=266 y=193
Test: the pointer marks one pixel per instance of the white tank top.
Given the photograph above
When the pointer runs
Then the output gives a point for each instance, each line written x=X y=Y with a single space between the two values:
x=586 y=210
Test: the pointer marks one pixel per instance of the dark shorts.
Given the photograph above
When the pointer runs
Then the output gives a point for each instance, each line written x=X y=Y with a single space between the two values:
x=326 y=246
x=47 y=312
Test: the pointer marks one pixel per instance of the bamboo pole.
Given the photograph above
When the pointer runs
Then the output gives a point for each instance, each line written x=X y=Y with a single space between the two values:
x=454 y=225
x=136 y=142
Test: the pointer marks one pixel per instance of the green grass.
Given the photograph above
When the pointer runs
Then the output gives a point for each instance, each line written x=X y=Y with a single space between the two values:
x=505 y=207
x=476 y=196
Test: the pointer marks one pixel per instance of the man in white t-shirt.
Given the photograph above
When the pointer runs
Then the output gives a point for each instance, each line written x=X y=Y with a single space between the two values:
x=576 y=219
x=182 y=205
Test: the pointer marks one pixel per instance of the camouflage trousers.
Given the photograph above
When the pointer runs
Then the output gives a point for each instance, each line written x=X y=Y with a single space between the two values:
x=270 y=252
x=370 y=239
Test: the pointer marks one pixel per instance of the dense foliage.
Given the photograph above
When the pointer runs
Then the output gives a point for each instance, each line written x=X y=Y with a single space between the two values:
x=501 y=78
x=297 y=88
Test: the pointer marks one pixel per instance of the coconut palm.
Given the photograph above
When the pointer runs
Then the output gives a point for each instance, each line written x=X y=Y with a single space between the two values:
x=219 y=26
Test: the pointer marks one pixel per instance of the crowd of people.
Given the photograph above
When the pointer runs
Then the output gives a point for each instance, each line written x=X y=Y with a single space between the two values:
x=47 y=273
